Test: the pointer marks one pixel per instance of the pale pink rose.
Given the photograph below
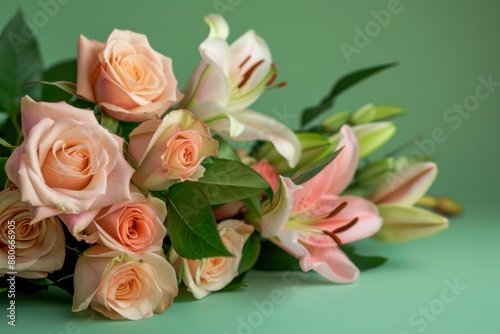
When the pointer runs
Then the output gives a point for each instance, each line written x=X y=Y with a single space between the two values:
x=67 y=165
x=127 y=78
x=212 y=274
x=30 y=249
x=133 y=226
x=268 y=172
x=170 y=150
x=122 y=285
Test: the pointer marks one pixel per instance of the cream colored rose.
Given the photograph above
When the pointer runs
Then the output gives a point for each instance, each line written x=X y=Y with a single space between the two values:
x=67 y=164
x=30 y=249
x=132 y=226
x=123 y=286
x=212 y=274
x=170 y=150
x=126 y=77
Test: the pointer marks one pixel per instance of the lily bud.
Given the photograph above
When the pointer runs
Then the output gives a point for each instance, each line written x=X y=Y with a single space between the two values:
x=374 y=173
x=371 y=113
x=403 y=223
x=365 y=114
x=370 y=136
x=443 y=205
x=335 y=121
x=314 y=146
x=406 y=187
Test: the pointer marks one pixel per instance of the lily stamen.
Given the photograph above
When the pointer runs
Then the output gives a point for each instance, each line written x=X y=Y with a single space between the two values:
x=275 y=75
x=280 y=85
x=334 y=237
x=249 y=73
x=244 y=62
x=273 y=78
x=337 y=210
x=346 y=227
x=341 y=229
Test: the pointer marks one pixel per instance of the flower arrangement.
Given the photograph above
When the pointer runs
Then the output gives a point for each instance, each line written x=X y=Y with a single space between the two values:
x=119 y=186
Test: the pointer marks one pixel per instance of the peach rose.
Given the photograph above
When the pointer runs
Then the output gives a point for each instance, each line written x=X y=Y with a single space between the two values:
x=126 y=77
x=268 y=172
x=30 y=249
x=67 y=165
x=212 y=274
x=132 y=226
x=170 y=150
x=123 y=286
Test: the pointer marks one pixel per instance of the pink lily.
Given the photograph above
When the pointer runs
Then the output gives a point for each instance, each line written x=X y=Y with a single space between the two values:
x=310 y=221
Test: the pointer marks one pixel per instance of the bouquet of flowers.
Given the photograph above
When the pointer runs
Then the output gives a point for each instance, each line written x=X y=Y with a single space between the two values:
x=118 y=187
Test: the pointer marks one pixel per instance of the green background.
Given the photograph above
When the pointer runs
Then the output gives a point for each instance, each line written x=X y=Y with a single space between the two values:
x=443 y=47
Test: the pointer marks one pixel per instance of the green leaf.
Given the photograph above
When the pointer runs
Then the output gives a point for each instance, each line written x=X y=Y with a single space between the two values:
x=270 y=193
x=273 y=258
x=191 y=223
x=125 y=128
x=251 y=252
x=66 y=72
x=20 y=62
x=109 y=122
x=309 y=171
x=40 y=281
x=68 y=87
x=253 y=203
x=227 y=181
x=3 y=175
x=340 y=86
x=4 y=289
x=225 y=150
x=5 y=144
x=181 y=274
x=361 y=261
x=4 y=117
x=237 y=283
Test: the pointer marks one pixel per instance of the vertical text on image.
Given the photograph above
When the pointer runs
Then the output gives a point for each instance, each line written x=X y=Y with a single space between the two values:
x=11 y=263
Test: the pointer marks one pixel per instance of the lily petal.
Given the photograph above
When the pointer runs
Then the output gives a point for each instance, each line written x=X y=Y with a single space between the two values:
x=262 y=127
x=249 y=55
x=218 y=26
x=329 y=262
x=367 y=224
x=215 y=51
x=275 y=214
x=209 y=82
x=218 y=119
